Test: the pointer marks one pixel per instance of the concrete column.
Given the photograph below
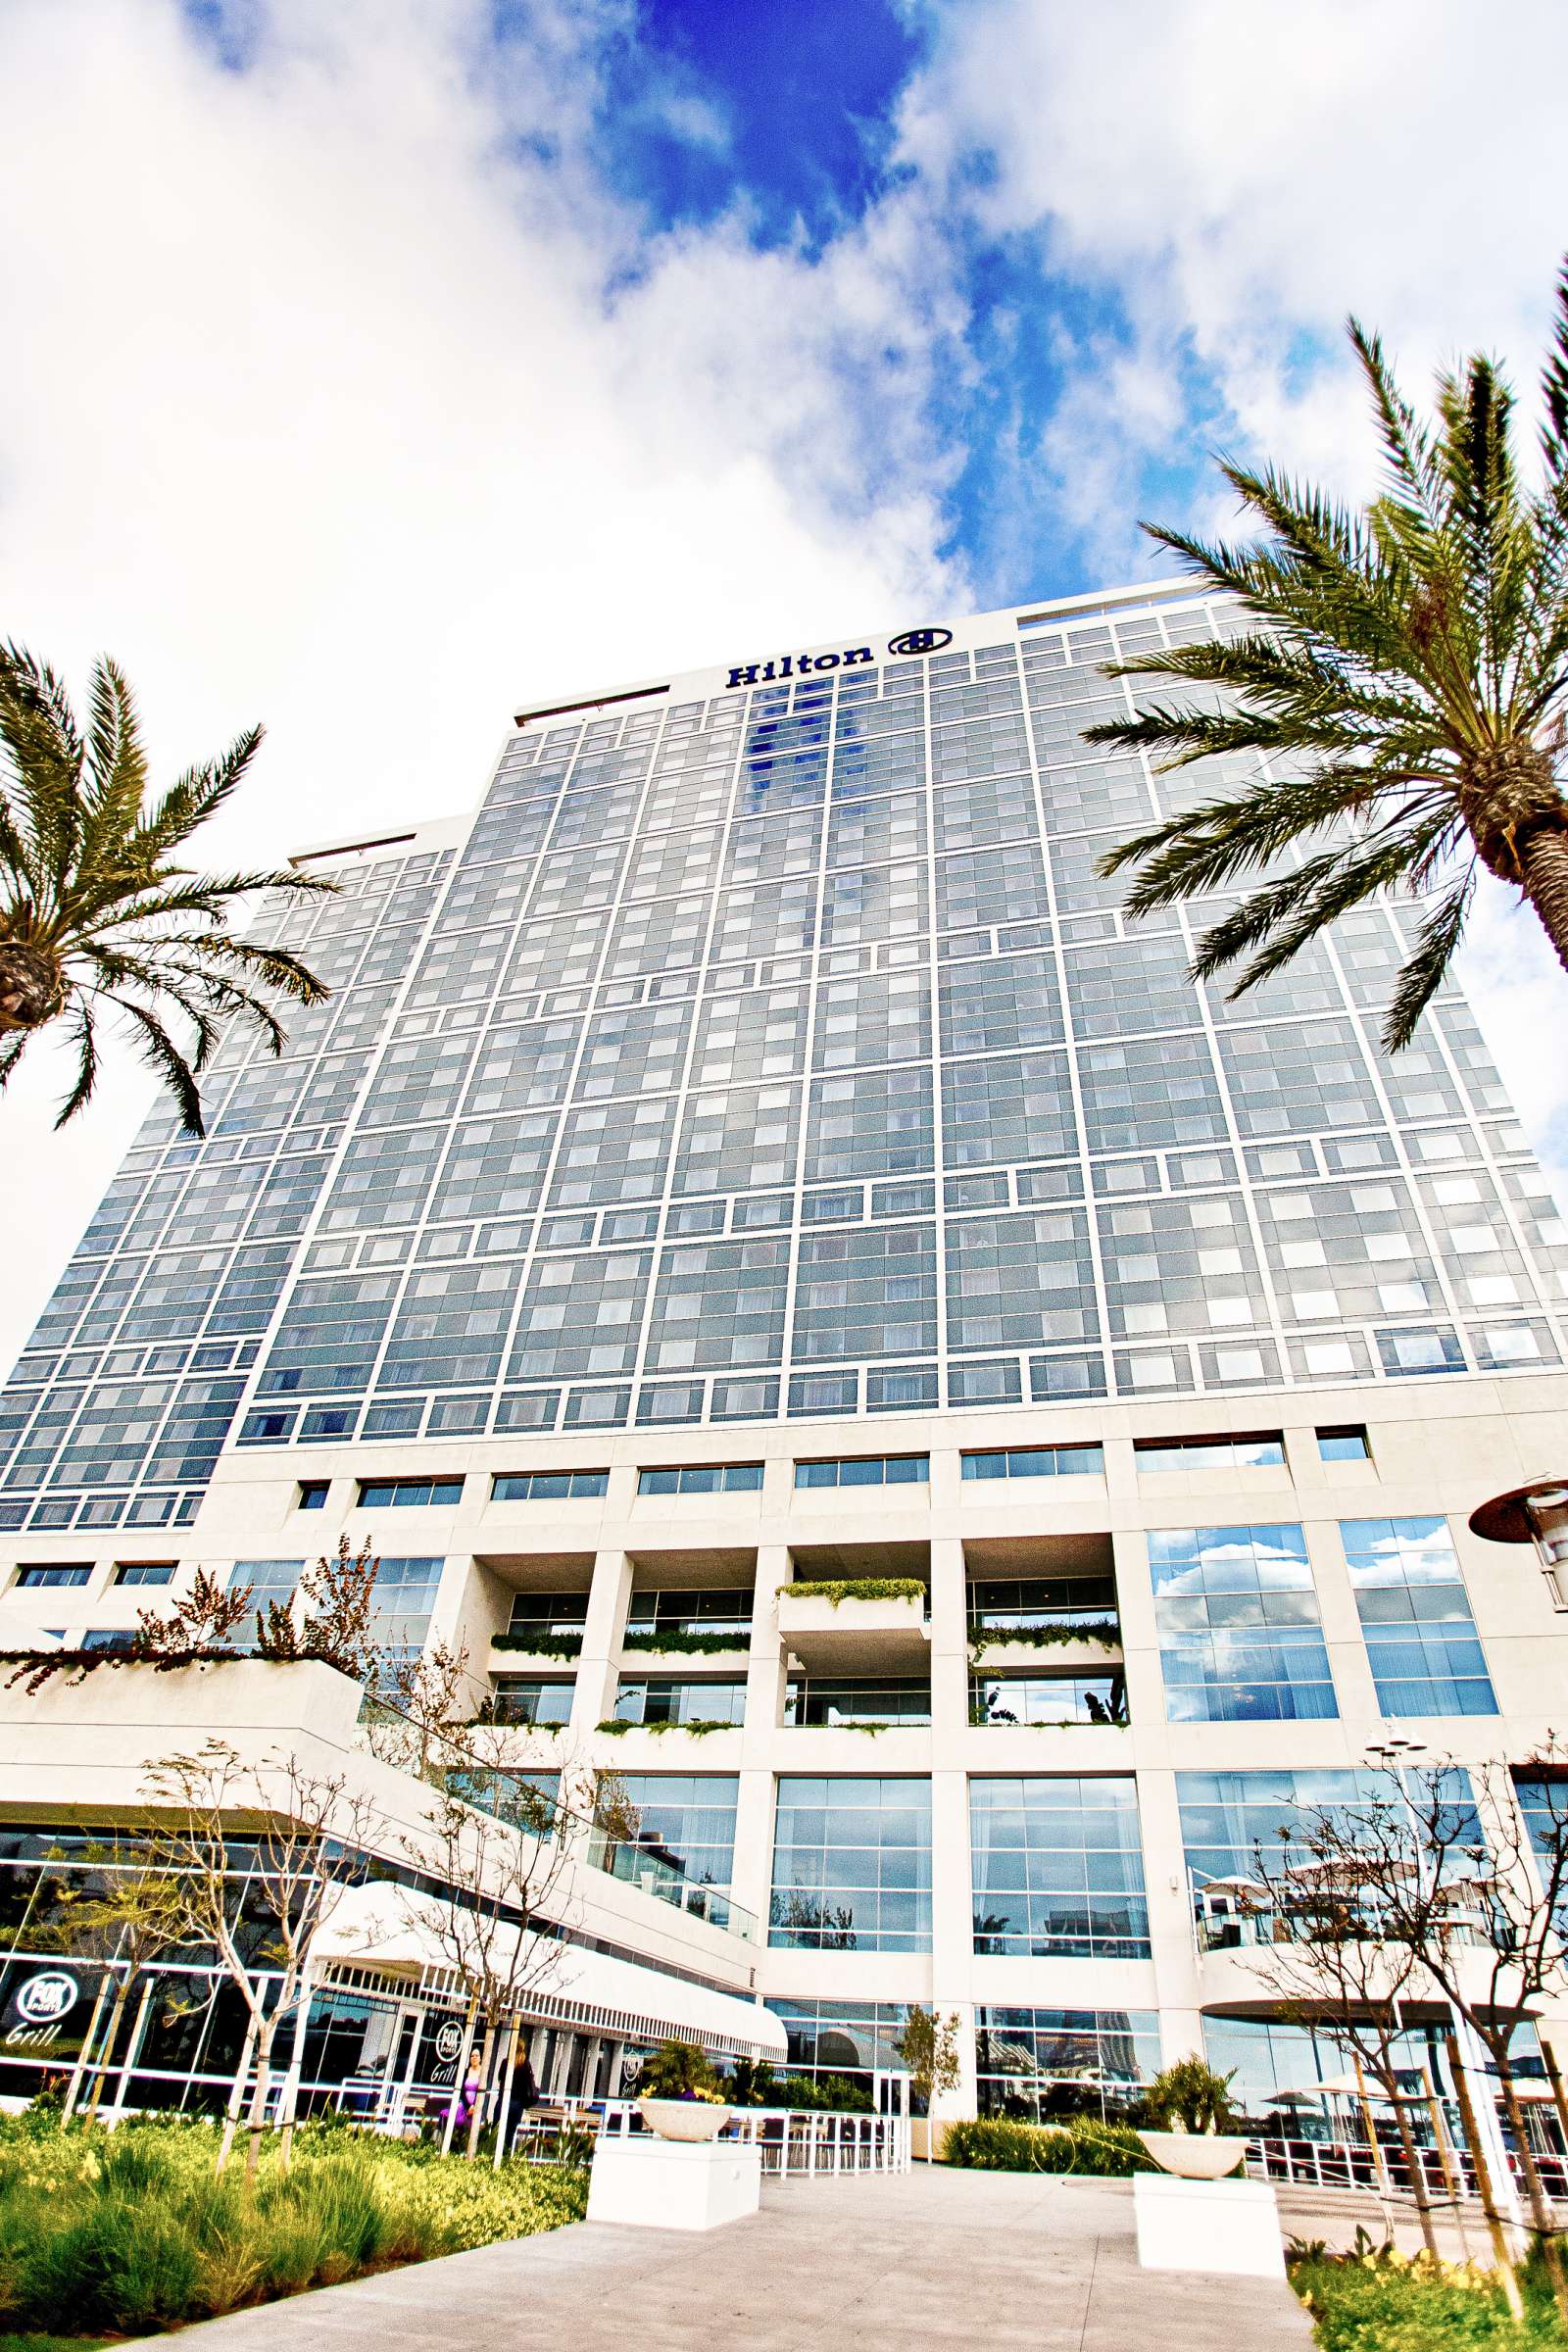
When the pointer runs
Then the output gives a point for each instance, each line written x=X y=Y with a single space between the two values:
x=752 y=1879
x=595 y=1695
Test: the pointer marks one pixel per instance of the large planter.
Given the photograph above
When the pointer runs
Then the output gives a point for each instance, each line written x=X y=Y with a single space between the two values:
x=1195 y=2155
x=683 y=2119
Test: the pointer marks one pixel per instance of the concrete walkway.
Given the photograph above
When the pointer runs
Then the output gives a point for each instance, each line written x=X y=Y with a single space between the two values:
x=872 y=2263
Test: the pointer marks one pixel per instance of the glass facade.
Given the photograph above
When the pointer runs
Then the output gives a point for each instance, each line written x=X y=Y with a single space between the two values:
x=775 y=1053
x=781 y=1050
x=686 y=1820
x=1034 y=2063
x=1420 y=1637
x=1059 y=1869
x=852 y=1865
x=1240 y=1638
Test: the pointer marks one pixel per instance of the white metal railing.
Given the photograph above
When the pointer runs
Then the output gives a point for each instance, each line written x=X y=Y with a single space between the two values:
x=1352 y=2164
x=793 y=2142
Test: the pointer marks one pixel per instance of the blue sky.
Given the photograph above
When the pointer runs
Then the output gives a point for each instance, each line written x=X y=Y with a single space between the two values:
x=392 y=362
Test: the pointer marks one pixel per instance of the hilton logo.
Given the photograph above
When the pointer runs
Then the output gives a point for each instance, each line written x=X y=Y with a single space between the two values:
x=798 y=665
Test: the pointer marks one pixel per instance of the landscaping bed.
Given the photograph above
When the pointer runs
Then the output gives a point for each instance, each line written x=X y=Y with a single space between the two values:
x=130 y=2231
x=996 y=2144
x=1375 y=2300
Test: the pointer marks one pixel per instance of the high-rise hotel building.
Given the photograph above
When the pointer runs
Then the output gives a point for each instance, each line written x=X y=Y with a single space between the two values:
x=755 y=1151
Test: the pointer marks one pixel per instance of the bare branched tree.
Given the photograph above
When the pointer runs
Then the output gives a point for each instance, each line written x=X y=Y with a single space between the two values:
x=506 y=1848
x=1472 y=1919
x=1333 y=1970
x=125 y=1911
x=305 y=1833
x=203 y=1620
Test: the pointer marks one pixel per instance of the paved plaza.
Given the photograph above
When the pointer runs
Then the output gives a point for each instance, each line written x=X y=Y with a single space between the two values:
x=863 y=2264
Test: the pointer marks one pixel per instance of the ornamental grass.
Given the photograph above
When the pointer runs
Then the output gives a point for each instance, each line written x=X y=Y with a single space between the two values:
x=130 y=2231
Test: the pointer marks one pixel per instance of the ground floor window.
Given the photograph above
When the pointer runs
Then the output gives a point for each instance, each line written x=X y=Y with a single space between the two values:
x=1031 y=2064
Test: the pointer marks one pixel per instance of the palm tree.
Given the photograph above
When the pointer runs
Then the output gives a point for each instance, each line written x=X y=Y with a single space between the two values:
x=1407 y=664
x=95 y=915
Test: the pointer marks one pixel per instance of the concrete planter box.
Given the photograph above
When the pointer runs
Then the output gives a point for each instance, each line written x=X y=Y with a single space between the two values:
x=857 y=1636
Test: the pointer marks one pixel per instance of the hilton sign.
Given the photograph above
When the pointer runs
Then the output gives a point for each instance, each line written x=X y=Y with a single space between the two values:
x=798 y=665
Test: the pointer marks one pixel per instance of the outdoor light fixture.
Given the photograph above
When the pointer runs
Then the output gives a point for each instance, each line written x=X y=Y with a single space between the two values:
x=1537 y=1514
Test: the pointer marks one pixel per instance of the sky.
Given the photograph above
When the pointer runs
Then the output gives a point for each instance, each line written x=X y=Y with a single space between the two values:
x=374 y=367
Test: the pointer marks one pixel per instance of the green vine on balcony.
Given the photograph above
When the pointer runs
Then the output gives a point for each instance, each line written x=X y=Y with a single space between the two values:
x=679 y=1637
x=836 y=1589
x=541 y=1644
x=699 y=1728
x=1104 y=1633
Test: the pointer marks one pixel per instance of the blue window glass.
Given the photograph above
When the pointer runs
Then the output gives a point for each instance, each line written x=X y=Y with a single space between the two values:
x=312 y=1494
x=703 y=1478
x=531 y=1698
x=1420 y=1637
x=1059 y=1868
x=1036 y=1462
x=398 y=1493
x=1239 y=1636
x=1027 y=2059
x=685 y=1822
x=1261 y=1452
x=1342 y=1446
x=852 y=1865
x=547 y=1486
x=144 y=1572
x=866 y=1470
x=669 y=1700
x=38 y=1578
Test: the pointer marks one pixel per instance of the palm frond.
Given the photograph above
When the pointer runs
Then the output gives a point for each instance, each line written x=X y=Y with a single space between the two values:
x=1425 y=971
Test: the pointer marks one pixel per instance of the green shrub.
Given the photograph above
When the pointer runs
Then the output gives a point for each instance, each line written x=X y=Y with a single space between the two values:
x=838 y=1588
x=1377 y=2301
x=993 y=2144
x=1189 y=2096
x=130 y=2232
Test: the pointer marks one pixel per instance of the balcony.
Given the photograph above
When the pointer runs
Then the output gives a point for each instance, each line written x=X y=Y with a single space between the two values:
x=856 y=1611
x=693 y=1604
x=1048 y=1602
x=863 y=1705
x=667 y=1702
x=654 y=1873
x=1047 y=1700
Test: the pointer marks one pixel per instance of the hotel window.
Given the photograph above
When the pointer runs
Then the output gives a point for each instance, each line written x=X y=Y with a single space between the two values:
x=399 y=1493
x=1342 y=1446
x=1059 y=1869
x=715 y=1609
x=144 y=1572
x=703 y=1478
x=312 y=1494
x=1034 y=2063
x=665 y=1700
x=852 y=1865
x=1266 y=1451
x=830 y=2037
x=531 y=1698
x=36 y=1579
x=1047 y=1699
x=1420 y=1637
x=1036 y=1462
x=547 y=1486
x=1239 y=1636
x=685 y=1821
x=866 y=1470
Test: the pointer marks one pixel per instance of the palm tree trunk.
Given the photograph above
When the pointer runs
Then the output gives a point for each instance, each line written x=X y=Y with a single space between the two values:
x=1543 y=865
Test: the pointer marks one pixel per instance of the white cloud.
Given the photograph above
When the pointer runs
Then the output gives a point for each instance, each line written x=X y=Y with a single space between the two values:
x=326 y=419
x=326 y=415
x=1235 y=180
